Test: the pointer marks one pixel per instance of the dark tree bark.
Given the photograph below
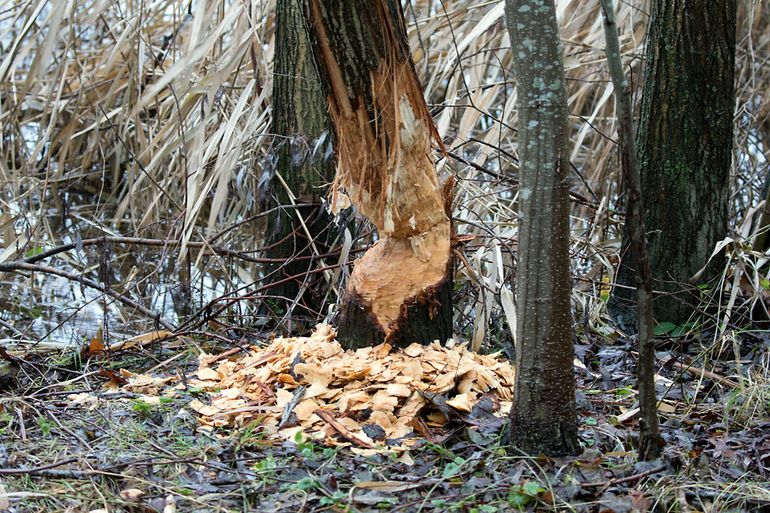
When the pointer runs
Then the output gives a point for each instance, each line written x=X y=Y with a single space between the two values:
x=302 y=163
x=543 y=418
x=399 y=290
x=650 y=441
x=685 y=146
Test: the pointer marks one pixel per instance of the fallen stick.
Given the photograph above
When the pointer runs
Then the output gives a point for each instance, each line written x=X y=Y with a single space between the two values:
x=34 y=470
x=328 y=417
x=697 y=371
x=626 y=479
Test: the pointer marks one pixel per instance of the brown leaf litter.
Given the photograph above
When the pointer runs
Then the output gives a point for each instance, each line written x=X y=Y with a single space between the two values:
x=362 y=397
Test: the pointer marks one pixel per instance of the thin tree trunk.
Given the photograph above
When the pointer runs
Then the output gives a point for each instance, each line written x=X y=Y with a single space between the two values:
x=543 y=418
x=685 y=148
x=650 y=441
x=303 y=167
x=762 y=240
x=399 y=291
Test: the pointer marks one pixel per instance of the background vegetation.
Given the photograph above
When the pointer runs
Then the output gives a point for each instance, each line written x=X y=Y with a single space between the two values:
x=152 y=120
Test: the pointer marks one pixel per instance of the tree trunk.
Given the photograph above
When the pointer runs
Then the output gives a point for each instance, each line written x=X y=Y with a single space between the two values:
x=650 y=441
x=685 y=147
x=543 y=418
x=399 y=291
x=762 y=240
x=303 y=167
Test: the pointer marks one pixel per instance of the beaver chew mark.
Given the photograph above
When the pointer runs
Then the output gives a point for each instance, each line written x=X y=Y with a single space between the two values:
x=399 y=290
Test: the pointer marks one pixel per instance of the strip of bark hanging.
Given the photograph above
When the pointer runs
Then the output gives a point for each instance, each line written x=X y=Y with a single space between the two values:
x=399 y=290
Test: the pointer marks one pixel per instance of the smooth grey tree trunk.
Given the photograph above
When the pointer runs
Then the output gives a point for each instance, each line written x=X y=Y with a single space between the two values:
x=543 y=418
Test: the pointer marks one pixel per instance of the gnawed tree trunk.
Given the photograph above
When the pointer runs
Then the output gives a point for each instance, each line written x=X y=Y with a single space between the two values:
x=685 y=147
x=399 y=290
x=303 y=169
x=543 y=418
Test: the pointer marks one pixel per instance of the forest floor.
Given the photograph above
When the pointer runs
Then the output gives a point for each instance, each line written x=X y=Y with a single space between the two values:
x=68 y=442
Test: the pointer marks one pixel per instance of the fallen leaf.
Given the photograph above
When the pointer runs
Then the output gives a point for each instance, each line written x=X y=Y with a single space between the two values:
x=115 y=379
x=461 y=402
x=5 y=502
x=169 y=504
x=96 y=345
x=131 y=494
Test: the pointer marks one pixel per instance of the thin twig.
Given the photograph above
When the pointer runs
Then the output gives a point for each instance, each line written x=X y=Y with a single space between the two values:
x=24 y=266
x=626 y=479
x=34 y=470
x=650 y=441
x=219 y=250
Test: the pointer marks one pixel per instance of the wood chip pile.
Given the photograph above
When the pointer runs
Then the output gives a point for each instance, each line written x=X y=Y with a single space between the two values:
x=369 y=397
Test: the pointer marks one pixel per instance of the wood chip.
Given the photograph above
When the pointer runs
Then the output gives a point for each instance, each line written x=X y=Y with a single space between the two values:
x=335 y=393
